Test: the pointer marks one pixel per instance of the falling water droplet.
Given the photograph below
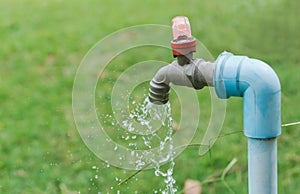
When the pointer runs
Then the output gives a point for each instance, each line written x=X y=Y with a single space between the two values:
x=116 y=147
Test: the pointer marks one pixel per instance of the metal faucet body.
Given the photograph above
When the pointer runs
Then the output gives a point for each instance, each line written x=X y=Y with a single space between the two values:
x=195 y=73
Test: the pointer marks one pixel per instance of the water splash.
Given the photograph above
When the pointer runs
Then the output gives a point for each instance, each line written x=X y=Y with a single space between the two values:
x=153 y=119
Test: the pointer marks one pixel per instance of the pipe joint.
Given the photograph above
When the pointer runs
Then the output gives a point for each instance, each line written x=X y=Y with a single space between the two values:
x=259 y=85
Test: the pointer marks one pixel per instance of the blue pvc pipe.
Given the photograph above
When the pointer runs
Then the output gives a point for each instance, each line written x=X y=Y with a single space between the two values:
x=259 y=86
x=262 y=166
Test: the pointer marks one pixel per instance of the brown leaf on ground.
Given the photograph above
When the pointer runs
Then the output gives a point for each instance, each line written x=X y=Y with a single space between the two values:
x=175 y=126
x=192 y=187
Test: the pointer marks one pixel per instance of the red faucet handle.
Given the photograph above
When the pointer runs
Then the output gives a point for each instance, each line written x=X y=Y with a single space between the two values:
x=181 y=27
x=183 y=41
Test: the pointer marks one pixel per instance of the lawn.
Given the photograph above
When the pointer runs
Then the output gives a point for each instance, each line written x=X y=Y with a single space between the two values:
x=42 y=45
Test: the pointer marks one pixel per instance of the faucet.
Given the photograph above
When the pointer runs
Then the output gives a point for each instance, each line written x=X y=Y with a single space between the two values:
x=185 y=71
x=230 y=75
x=195 y=73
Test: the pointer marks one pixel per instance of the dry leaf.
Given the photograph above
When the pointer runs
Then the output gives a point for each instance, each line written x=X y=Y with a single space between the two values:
x=192 y=187
x=175 y=126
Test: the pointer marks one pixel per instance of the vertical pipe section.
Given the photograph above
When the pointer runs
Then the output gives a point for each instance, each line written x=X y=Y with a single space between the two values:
x=262 y=166
x=259 y=86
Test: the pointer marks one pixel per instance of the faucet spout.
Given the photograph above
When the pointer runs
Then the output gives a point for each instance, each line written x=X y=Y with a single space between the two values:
x=195 y=74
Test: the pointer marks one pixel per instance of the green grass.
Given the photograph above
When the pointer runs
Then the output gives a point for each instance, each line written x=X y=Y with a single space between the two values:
x=41 y=46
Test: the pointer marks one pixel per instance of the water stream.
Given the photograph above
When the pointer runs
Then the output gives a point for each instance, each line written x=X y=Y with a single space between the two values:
x=159 y=144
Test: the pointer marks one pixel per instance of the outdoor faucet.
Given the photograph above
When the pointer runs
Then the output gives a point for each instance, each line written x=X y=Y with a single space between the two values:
x=195 y=73
x=253 y=80
x=185 y=71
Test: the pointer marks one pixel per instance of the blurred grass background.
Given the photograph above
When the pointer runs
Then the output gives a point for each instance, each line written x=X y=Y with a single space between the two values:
x=42 y=44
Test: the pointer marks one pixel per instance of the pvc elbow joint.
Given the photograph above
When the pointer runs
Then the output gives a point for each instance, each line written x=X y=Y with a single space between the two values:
x=259 y=85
